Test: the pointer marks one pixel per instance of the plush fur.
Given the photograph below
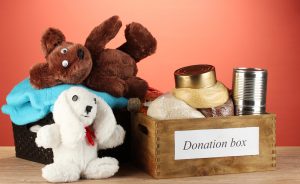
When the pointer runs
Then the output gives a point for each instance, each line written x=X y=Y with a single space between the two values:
x=114 y=70
x=66 y=62
x=74 y=157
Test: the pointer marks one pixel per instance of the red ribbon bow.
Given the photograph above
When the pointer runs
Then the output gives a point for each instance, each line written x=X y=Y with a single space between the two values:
x=90 y=135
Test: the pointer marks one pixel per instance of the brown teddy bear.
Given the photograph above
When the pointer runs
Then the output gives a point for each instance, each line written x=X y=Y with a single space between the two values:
x=66 y=62
x=114 y=70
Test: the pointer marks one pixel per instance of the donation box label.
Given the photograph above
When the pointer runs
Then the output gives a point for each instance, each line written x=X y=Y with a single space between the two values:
x=212 y=143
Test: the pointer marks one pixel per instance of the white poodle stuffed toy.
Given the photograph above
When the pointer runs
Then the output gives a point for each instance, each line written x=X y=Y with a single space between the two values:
x=83 y=124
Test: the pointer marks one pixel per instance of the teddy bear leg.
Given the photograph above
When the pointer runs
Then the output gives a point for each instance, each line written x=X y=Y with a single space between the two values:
x=137 y=87
x=58 y=172
x=139 y=42
x=112 y=85
x=101 y=168
x=102 y=34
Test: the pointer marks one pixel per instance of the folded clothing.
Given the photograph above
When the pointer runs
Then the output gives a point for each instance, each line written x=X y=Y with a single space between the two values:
x=169 y=107
x=209 y=97
x=26 y=104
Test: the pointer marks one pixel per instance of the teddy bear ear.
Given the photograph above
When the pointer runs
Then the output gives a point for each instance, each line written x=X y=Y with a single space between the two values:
x=41 y=77
x=51 y=39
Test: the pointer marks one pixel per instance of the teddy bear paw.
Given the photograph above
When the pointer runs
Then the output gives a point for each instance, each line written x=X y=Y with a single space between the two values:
x=140 y=42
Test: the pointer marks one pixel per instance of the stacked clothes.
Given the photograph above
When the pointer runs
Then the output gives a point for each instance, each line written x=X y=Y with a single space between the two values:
x=26 y=104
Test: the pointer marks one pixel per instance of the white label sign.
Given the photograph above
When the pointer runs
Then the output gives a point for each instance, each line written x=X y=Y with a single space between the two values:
x=216 y=143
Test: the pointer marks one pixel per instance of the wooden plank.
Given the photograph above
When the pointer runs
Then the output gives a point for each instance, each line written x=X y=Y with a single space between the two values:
x=6 y=152
x=14 y=170
x=143 y=144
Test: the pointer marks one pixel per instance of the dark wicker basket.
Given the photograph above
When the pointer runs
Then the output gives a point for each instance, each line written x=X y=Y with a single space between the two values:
x=27 y=149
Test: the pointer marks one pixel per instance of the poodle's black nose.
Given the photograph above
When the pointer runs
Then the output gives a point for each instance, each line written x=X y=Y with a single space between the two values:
x=80 y=53
x=88 y=109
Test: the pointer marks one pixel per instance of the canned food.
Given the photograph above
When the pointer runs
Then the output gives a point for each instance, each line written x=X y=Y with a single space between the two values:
x=249 y=90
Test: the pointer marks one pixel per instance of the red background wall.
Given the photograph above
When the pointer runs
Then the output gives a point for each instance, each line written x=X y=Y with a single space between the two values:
x=226 y=34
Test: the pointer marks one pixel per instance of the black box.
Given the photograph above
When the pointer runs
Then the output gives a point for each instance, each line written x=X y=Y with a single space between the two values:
x=26 y=148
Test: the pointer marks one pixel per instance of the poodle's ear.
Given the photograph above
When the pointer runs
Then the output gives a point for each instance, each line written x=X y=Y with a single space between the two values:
x=51 y=39
x=42 y=77
x=71 y=128
x=105 y=121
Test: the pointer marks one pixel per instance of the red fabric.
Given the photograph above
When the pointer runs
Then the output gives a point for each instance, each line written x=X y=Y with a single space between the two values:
x=90 y=135
x=151 y=95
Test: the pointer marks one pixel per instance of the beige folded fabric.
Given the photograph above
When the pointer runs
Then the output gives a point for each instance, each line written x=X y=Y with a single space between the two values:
x=169 y=107
x=213 y=96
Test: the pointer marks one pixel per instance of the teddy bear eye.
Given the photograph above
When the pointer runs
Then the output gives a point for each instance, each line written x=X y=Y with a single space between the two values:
x=95 y=100
x=64 y=50
x=75 y=98
x=65 y=63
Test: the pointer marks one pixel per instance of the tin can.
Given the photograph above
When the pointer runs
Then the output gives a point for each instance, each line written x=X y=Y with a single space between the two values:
x=249 y=90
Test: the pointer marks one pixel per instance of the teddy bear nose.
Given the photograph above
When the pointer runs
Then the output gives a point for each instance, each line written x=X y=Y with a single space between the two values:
x=88 y=109
x=80 y=53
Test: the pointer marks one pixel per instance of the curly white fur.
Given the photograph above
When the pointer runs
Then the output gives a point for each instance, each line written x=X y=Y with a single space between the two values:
x=74 y=157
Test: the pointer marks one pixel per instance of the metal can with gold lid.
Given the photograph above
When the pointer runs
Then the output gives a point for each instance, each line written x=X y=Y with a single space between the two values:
x=197 y=85
x=195 y=76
